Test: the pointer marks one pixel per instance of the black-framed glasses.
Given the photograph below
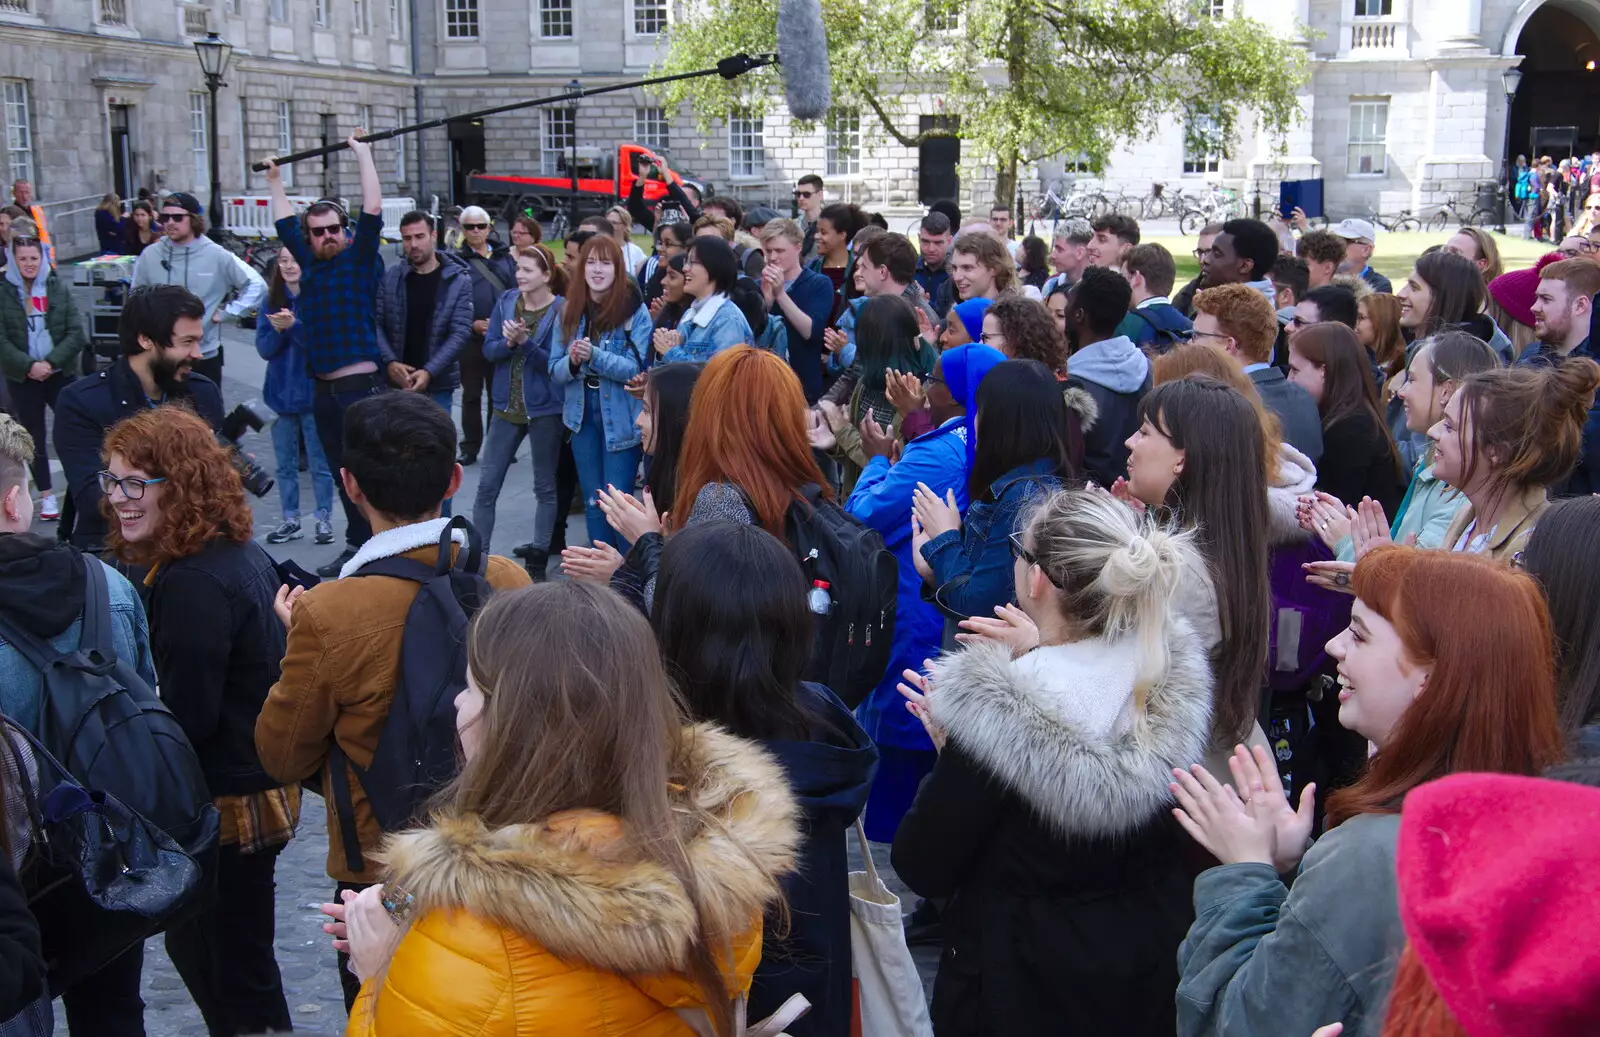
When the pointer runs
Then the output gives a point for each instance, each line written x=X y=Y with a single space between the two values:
x=326 y=232
x=474 y=226
x=1201 y=253
x=132 y=488
x=986 y=337
x=1020 y=550
x=171 y=217
x=1193 y=335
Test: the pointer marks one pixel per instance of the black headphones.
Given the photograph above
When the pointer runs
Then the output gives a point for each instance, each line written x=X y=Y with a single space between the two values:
x=305 y=226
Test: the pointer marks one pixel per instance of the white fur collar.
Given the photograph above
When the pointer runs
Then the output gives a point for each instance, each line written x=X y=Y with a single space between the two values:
x=1028 y=730
x=399 y=540
x=1295 y=475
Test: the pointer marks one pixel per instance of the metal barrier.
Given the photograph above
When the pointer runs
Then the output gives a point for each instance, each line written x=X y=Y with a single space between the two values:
x=250 y=216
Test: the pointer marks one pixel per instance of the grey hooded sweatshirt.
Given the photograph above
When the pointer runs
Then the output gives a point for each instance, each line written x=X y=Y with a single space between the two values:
x=209 y=271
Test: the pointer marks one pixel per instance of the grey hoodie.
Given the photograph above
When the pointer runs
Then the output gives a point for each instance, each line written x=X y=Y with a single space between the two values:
x=209 y=271
x=1115 y=363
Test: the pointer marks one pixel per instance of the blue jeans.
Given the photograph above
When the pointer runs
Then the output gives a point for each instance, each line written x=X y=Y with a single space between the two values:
x=287 y=432
x=329 y=408
x=443 y=398
x=499 y=450
x=598 y=468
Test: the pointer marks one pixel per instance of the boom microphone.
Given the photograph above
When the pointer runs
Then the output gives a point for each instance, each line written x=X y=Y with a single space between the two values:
x=803 y=53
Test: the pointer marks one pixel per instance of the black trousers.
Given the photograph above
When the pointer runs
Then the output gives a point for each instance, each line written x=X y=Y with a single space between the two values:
x=28 y=401
x=327 y=409
x=347 y=979
x=566 y=489
x=475 y=404
x=225 y=953
x=107 y=1004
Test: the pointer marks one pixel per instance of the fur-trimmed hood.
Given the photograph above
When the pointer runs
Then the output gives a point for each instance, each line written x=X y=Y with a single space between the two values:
x=1081 y=403
x=1295 y=475
x=1029 y=722
x=574 y=886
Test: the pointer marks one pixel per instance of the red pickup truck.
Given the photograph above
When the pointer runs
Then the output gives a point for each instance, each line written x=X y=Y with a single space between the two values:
x=599 y=178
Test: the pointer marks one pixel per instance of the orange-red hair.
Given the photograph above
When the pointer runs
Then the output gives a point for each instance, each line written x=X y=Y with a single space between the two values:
x=747 y=427
x=1416 y=1008
x=1490 y=700
x=202 y=497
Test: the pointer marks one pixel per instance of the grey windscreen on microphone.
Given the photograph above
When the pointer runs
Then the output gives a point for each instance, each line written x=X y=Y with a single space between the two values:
x=803 y=51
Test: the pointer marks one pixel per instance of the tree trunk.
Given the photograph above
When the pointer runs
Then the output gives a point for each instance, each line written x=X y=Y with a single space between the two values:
x=1005 y=160
x=1005 y=180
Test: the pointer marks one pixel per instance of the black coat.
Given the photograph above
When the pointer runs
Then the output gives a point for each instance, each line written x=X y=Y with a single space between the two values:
x=830 y=775
x=1358 y=461
x=1114 y=418
x=1064 y=868
x=218 y=648
x=22 y=966
x=85 y=412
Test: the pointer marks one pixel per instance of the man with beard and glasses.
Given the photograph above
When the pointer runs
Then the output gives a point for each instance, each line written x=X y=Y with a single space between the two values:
x=161 y=332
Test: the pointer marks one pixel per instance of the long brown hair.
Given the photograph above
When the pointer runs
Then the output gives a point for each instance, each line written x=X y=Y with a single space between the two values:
x=1490 y=699
x=1388 y=341
x=1348 y=389
x=1214 y=362
x=578 y=713
x=202 y=497
x=620 y=301
x=747 y=427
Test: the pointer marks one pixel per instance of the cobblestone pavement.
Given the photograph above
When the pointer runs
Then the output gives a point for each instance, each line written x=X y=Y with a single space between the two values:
x=304 y=955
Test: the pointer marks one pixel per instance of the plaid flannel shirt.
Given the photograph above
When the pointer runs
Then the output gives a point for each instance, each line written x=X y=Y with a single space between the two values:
x=335 y=307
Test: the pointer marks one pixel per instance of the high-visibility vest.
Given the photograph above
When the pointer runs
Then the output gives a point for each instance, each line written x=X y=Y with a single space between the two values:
x=36 y=213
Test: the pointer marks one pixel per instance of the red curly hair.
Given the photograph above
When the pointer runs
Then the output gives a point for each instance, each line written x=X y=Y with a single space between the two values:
x=202 y=497
x=747 y=427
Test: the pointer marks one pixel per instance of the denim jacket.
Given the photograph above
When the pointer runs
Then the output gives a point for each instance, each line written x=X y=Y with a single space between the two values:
x=707 y=330
x=539 y=397
x=21 y=686
x=618 y=355
x=288 y=388
x=972 y=565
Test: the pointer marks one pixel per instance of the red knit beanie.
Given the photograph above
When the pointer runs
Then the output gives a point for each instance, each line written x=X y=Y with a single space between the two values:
x=1500 y=897
x=1514 y=291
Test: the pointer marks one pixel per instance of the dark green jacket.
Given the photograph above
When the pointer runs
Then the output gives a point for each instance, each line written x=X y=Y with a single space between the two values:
x=61 y=318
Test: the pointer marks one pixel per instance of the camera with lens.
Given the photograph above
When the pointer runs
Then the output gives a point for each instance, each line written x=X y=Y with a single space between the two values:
x=248 y=415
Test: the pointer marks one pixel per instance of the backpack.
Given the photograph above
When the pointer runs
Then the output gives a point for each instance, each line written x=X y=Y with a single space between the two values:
x=851 y=651
x=1168 y=328
x=111 y=731
x=416 y=752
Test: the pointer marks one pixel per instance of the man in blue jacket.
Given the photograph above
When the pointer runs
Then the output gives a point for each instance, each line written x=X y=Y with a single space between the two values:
x=803 y=298
x=1158 y=325
x=1563 y=307
x=424 y=314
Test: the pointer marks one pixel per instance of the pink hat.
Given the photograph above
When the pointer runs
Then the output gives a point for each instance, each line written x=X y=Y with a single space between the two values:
x=1514 y=291
x=1499 y=881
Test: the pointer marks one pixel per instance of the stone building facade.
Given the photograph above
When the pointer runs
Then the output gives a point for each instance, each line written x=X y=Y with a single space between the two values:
x=1405 y=105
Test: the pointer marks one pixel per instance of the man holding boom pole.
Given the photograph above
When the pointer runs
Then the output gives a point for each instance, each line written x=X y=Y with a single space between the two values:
x=338 y=287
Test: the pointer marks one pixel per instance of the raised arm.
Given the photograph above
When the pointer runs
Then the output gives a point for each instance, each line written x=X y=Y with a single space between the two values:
x=371 y=188
x=282 y=207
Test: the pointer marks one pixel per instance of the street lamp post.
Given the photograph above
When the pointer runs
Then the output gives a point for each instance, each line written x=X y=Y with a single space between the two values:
x=572 y=160
x=1510 y=79
x=213 y=52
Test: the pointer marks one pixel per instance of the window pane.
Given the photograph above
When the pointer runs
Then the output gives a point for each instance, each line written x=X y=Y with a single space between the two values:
x=19 y=130
x=746 y=146
x=286 y=140
x=560 y=135
x=461 y=19
x=650 y=129
x=197 y=141
x=396 y=19
x=843 y=142
x=649 y=17
x=555 y=19
x=280 y=10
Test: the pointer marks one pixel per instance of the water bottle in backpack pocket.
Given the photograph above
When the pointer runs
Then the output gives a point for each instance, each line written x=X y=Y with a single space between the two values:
x=416 y=752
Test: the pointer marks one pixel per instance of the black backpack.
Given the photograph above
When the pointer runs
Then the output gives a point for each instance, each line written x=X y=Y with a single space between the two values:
x=1168 y=328
x=416 y=753
x=853 y=639
x=111 y=731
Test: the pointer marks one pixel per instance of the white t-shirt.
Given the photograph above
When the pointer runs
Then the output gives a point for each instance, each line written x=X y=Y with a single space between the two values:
x=634 y=255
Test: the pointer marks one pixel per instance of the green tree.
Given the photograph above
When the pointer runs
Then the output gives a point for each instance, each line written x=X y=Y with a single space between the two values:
x=1028 y=79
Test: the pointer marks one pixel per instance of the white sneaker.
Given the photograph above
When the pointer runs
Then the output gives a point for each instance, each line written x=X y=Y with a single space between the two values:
x=49 y=508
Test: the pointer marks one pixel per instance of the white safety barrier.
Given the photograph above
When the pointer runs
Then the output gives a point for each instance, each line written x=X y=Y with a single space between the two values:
x=250 y=216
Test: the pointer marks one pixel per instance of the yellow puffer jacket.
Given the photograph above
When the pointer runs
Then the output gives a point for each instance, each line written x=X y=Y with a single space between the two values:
x=559 y=928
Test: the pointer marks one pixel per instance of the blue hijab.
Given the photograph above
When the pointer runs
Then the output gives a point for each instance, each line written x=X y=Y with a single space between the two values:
x=964 y=368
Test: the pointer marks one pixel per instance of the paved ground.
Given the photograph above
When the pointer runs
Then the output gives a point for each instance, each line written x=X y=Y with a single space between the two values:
x=304 y=955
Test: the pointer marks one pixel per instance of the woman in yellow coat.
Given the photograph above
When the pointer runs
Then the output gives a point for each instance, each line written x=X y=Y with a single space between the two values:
x=597 y=869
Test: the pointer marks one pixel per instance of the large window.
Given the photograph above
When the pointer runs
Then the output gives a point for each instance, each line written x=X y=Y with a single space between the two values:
x=113 y=12
x=361 y=15
x=649 y=17
x=461 y=19
x=286 y=139
x=555 y=19
x=400 y=171
x=1202 y=145
x=844 y=142
x=1374 y=8
x=244 y=143
x=651 y=130
x=1369 y=138
x=278 y=10
x=397 y=19
x=746 y=146
x=560 y=135
x=19 y=130
x=319 y=13
x=197 y=140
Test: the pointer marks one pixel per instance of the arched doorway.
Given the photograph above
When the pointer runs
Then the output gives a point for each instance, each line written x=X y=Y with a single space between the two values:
x=1557 y=109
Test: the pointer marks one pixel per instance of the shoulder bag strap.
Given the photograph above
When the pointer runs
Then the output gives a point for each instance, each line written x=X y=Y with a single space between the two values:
x=40 y=655
x=344 y=806
x=487 y=271
x=96 y=609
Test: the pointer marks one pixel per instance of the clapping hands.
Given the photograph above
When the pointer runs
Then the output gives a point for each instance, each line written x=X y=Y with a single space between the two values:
x=627 y=514
x=1255 y=827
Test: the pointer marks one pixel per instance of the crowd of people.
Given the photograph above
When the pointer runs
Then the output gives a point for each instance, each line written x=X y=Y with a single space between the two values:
x=1214 y=658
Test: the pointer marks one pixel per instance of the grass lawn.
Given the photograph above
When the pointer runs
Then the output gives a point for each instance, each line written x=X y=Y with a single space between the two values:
x=1393 y=257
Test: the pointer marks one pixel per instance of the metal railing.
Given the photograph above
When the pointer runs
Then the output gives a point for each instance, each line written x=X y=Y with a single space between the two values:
x=113 y=12
x=71 y=225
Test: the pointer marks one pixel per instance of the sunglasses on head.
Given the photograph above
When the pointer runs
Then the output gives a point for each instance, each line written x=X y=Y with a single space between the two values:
x=171 y=217
x=327 y=232
x=474 y=226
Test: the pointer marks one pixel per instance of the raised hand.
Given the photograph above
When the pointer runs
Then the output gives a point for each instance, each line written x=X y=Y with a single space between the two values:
x=1333 y=576
x=665 y=341
x=592 y=564
x=876 y=441
x=904 y=391
x=936 y=516
x=1324 y=515
x=1369 y=527
x=627 y=514
x=834 y=340
x=1010 y=626
x=1255 y=774
x=917 y=693
x=919 y=537
x=1119 y=490
x=1214 y=815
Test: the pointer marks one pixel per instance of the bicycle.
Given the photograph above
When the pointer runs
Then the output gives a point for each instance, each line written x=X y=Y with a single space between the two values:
x=1158 y=205
x=1081 y=203
x=1402 y=222
x=1217 y=205
x=1452 y=208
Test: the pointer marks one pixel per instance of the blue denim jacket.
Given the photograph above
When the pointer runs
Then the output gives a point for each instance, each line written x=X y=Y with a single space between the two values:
x=725 y=329
x=539 y=397
x=972 y=565
x=618 y=355
x=288 y=388
x=20 y=684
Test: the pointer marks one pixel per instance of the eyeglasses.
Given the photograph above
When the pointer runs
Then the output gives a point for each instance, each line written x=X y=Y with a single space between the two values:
x=987 y=337
x=1209 y=334
x=327 y=232
x=132 y=488
x=1020 y=550
x=1568 y=253
x=1298 y=321
x=474 y=226
x=171 y=217
x=1201 y=253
